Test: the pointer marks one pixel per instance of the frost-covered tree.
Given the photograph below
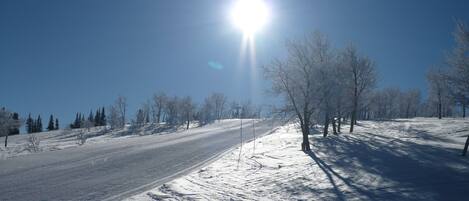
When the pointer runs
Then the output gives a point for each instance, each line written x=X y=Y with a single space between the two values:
x=158 y=104
x=172 y=111
x=121 y=105
x=389 y=103
x=207 y=113
x=458 y=61
x=117 y=113
x=187 y=110
x=219 y=101
x=7 y=123
x=114 y=118
x=146 y=110
x=16 y=130
x=438 y=90
x=360 y=78
x=295 y=80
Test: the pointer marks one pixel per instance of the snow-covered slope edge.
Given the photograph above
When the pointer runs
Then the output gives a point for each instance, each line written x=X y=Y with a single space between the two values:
x=19 y=145
x=416 y=159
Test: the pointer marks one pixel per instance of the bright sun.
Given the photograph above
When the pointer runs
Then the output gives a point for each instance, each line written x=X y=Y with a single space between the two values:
x=250 y=15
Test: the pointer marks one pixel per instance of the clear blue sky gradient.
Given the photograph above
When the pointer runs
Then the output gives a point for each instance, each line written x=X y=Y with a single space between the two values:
x=62 y=56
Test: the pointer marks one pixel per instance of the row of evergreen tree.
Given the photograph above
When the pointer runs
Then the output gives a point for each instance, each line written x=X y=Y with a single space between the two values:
x=53 y=125
x=35 y=125
x=96 y=119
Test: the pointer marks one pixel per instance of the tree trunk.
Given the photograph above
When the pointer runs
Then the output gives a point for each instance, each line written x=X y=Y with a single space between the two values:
x=463 y=110
x=439 y=110
x=334 y=126
x=465 y=146
x=326 y=125
x=6 y=140
x=305 y=144
x=187 y=127
x=339 y=122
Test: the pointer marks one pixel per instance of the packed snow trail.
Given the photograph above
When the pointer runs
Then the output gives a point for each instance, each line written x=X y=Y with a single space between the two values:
x=116 y=169
x=405 y=159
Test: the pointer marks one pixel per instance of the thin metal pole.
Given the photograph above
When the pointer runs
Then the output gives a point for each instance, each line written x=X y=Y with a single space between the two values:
x=254 y=132
x=241 y=138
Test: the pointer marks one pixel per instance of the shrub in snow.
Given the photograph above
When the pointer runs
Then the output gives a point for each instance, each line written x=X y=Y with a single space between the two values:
x=33 y=143
x=81 y=138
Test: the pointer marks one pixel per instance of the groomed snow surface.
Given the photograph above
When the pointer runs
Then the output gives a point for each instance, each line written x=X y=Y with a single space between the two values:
x=68 y=138
x=404 y=159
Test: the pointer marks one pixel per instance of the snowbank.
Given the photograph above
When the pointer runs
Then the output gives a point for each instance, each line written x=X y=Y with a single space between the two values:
x=416 y=159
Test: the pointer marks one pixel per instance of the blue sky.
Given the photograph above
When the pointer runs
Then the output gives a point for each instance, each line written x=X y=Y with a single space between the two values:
x=61 y=57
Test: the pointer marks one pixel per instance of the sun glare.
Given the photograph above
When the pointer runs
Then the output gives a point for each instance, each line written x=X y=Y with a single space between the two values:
x=250 y=15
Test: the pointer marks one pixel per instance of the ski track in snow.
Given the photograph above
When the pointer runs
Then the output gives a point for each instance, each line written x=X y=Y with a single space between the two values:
x=403 y=159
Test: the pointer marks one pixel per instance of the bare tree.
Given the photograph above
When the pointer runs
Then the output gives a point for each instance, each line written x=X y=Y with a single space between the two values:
x=187 y=109
x=117 y=113
x=158 y=104
x=172 y=111
x=140 y=118
x=361 y=77
x=219 y=101
x=207 y=112
x=146 y=110
x=114 y=119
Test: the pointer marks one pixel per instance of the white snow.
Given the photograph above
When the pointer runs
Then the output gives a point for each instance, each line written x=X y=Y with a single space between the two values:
x=404 y=159
x=64 y=139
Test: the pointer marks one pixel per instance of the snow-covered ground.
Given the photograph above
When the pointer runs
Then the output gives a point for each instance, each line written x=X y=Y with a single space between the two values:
x=404 y=159
x=63 y=139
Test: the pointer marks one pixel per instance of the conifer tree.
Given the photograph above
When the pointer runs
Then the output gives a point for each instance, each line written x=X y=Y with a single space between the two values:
x=57 y=124
x=29 y=124
x=97 y=118
x=91 y=116
x=39 y=124
x=103 y=117
x=51 y=126
x=82 y=121
x=76 y=123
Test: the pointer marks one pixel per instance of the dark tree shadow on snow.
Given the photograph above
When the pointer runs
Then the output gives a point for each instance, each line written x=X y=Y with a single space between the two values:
x=404 y=170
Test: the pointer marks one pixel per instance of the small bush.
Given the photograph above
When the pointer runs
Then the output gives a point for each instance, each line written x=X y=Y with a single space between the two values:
x=33 y=143
x=81 y=138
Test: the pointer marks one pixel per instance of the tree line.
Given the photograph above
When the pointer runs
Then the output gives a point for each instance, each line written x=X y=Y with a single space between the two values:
x=177 y=111
x=325 y=85
x=94 y=119
x=449 y=82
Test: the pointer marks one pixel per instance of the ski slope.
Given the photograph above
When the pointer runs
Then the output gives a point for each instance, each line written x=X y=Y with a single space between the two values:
x=403 y=159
